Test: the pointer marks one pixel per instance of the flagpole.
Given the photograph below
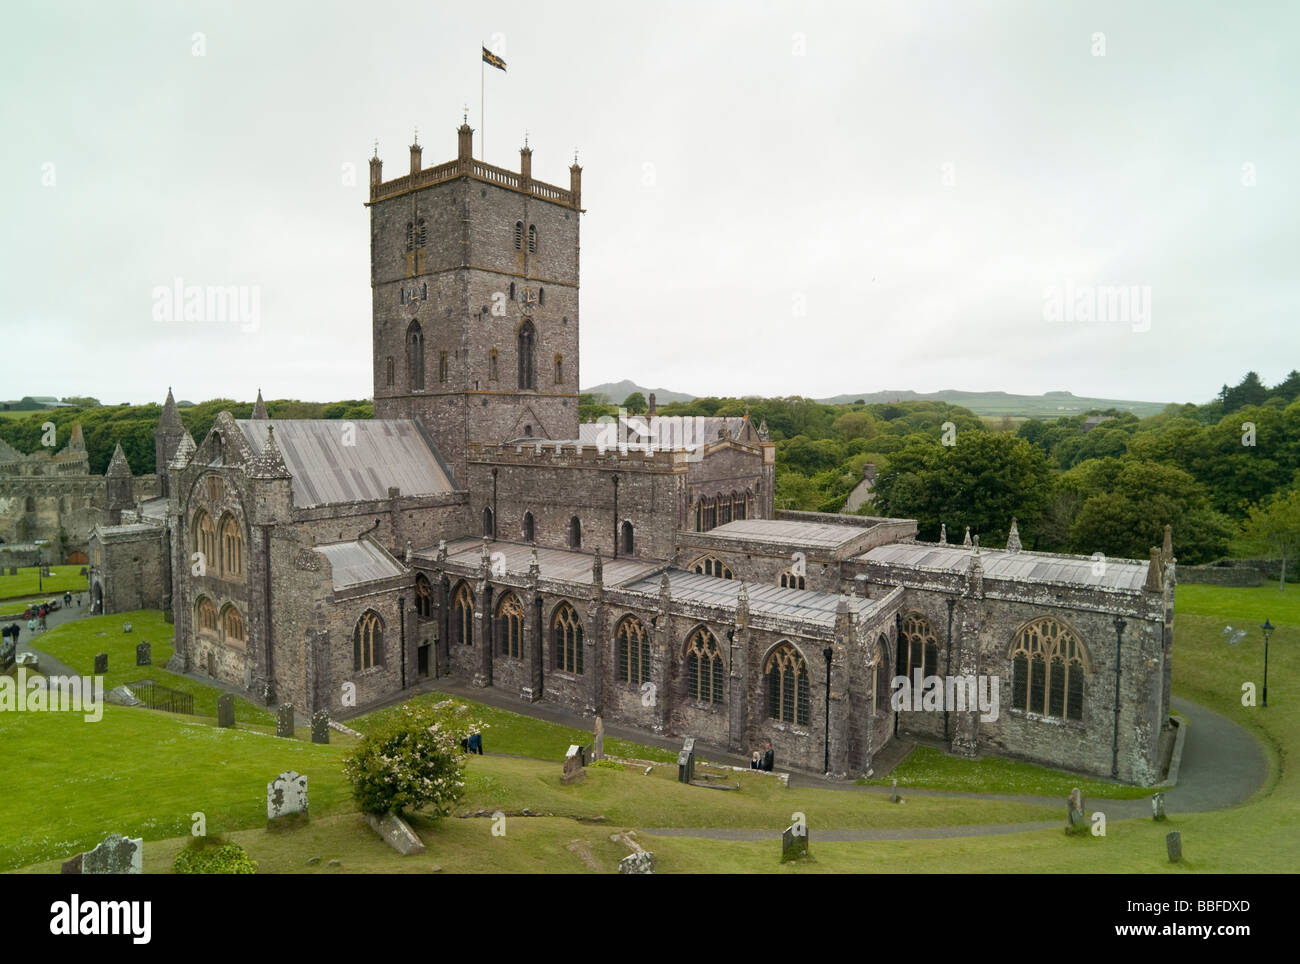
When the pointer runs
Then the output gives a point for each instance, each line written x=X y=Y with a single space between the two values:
x=482 y=123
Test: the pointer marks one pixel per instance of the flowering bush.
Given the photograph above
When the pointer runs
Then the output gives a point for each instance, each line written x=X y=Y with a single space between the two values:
x=412 y=760
x=216 y=857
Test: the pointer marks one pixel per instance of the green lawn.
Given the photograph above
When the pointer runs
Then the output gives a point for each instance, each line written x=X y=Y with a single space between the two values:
x=143 y=773
x=77 y=642
x=30 y=583
x=524 y=736
x=937 y=770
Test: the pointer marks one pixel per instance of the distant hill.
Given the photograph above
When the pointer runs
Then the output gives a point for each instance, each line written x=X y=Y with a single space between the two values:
x=617 y=391
x=1047 y=405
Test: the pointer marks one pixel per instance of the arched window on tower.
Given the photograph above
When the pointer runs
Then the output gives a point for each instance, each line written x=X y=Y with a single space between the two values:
x=575 y=533
x=532 y=239
x=627 y=539
x=529 y=527
x=492 y=365
x=559 y=369
x=415 y=356
x=489 y=526
x=519 y=235
x=526 y=347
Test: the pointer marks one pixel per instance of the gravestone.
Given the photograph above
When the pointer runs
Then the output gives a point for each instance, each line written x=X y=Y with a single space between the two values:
x=320 y=727
x=686 y=761
x=127 y=627
x=72 y=865
x=286 y=801
x=101 y=664
x=573 y=771
x=1078 y=822
x=284 y=720
x=641 y=862
x=8 y=649
x=13 y=570
x=226 y=710
x=794 y=844
x=83 y=572
x=116 y=855
x=1174 y=844
x=598 y=741
x=894 y=797
x=143 y=655
x=1158 y=806
x=397 y=833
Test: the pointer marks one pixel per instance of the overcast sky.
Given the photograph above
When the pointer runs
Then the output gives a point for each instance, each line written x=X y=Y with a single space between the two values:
x=782 y=198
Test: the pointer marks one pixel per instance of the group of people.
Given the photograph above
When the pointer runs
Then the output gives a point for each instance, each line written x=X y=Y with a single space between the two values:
x=765 y=761
x=473 y=743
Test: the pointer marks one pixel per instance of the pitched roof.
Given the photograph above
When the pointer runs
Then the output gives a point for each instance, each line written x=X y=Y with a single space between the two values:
x=384 y=453
x=358 y=562
x=766 y=600
x=118 y=465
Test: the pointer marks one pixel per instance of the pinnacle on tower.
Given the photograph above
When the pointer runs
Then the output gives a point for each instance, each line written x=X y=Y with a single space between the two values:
x=943 y=534
x=118 y=465
x=185 y=450
x=171 y=418
x=270 y=463
x=1013 y=538
x=259 y=407
x=966 y=542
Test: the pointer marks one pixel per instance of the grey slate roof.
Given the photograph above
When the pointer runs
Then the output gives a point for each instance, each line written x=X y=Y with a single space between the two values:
x=821 y=535
x=156 y=508
x=663 y=431
x=562 y=564
x=806 y=604
x=1020 y=566
x=388 y=452
x=359 y=562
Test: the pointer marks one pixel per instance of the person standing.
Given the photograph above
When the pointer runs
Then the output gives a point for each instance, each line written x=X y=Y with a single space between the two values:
x=768 y=757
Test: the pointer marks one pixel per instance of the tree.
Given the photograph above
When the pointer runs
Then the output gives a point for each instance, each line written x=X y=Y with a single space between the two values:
x=852 y=425
x=982 y=481
x=1275 y=529
x=636 y=404
x=411 y=759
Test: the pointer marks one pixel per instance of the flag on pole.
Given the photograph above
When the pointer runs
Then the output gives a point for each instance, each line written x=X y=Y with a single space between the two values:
x=492 y=59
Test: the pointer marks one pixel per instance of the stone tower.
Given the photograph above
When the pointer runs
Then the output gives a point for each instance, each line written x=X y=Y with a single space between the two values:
x=165 y=439
x=474 y=281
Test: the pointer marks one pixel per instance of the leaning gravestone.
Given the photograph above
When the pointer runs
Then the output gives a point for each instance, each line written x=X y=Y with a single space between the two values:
x=598 y=741
x=286 y=801
x=686 y=761
x=101 y=664
x=320 y=727
x=143 y=655
x=397 y=833
x=116 y=855
x=1174 y=844
x=641 y=862
x=226 y=710
x=284 y=720
x=1158 y=806
x=794 y=842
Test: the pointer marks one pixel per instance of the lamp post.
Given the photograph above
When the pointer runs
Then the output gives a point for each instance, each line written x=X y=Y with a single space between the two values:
x=828 y=653
x=1268 y=631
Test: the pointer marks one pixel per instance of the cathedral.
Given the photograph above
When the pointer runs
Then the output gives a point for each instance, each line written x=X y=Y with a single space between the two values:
x=633 y=568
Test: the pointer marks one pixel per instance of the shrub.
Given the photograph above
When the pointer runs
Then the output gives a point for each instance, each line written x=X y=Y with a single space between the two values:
x=213 y=857
x=412 y=760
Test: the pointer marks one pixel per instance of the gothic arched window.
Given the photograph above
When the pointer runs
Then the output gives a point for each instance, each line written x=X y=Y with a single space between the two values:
x=529 y=527
x=532 y=239
x=703 y=667
x=232 y=548
x=559 y=369
x=423 y=597
x=415 y=355
x=711 y=566
x=205 y=541
x=787 y=686
x=633 y=647
x=510 y=626
x=1048 y=666
x=575 y=533
x=790 y=581
x=566 y=639
x=519 y=235
x=232 y=628
x=462 y=616
x=526 y=345
x=489 y=524
x=205 y=616
x=918 y=646
x=368 y=641
x=880 y=694
x=627 y=538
